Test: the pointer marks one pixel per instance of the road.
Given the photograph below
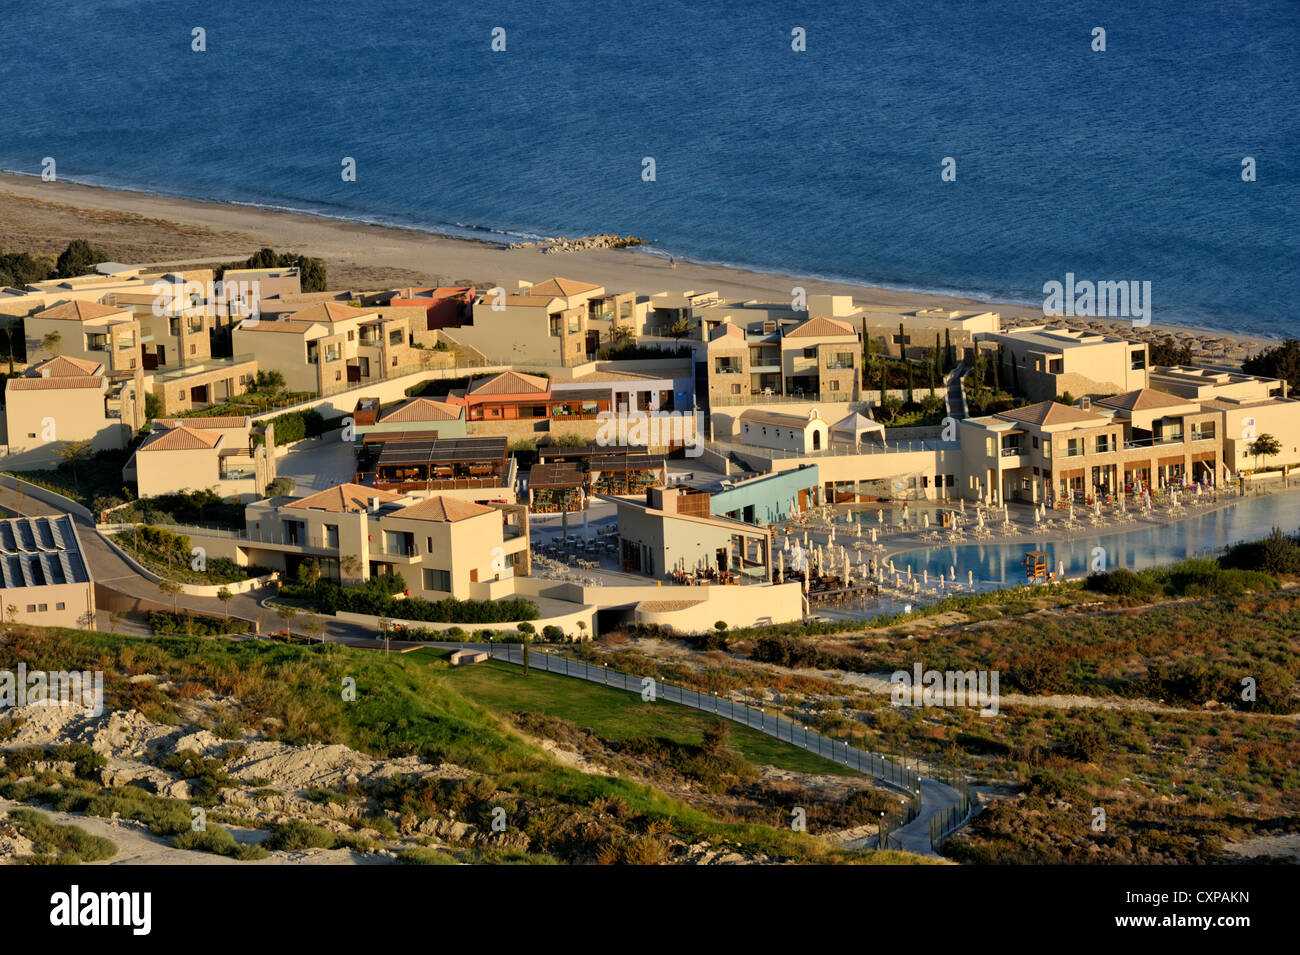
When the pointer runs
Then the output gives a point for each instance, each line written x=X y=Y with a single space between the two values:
x=107 y=567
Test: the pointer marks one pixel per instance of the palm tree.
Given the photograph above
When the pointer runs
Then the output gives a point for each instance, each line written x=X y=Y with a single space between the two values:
x=526 y=630
x=173 y=587
x=225 y=596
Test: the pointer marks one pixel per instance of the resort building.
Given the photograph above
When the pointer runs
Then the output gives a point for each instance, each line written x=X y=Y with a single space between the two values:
x=1048 y=362
x=85 y=329
x=329 y=347
x=915 y=334
x=471 y=469
x=66 y=399
x=439 y=546
x=427 y=416
x=784 y=432
x=1050 y=452
x=44 y=578
x=799 y=358
x=665 y=534
x=1202 y=384
x=246 y=288
x=556 y=322
x=194 y=454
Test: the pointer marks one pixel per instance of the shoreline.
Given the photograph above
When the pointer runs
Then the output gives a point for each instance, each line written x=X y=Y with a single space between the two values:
x=41 y=217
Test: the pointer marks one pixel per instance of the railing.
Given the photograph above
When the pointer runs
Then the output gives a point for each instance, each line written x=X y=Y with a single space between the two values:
x=868 y=446
x=892 y=773
x=1012 y=452
x=945 y=823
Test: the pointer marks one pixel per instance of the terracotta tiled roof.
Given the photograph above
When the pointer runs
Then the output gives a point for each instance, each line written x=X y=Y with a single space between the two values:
x=531 y=301
x=288 y=327
x=209 y=424
x=63 y=366
x=562 y=287
x=54 y=384
x=596 y=376
x=1051 y=412
x=79 y=311
x=328 y=312
x=422 y=409
x=343 y=498
x=820 y=328
x=181 y=439
x=1143 y=399
x=443 y=510
x=728 y=330
x=510 y=383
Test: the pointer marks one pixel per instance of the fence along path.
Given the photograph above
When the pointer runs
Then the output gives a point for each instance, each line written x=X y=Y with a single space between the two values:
x=909 y=827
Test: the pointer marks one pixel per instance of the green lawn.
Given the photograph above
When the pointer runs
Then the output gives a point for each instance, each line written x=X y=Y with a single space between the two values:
x=613 y=714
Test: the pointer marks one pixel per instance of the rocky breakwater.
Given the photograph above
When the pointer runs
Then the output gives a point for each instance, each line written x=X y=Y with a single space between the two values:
x=604 y=240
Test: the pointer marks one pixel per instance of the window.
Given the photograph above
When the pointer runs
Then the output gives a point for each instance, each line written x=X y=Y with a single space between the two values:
x=44 y=607
x=31 y=608
x=832 y=386
x=437 y=580
x=573 y=324
x=31 y=434
x=555 y=326
x=331 y=535
x=810 y=353
x=132 y=362
x=338 y=375
x=1104 y=445
x=1035 y=440
x=1139 y=356
x=735 y=390
x=194 y=349
x=1055 y=366
x=60 y=606
x=351 y=335
x=428 y=545
x=395 y=337
x=948 y=480
x=394 y=361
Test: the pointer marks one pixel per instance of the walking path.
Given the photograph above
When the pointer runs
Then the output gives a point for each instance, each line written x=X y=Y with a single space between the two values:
x=937 y=798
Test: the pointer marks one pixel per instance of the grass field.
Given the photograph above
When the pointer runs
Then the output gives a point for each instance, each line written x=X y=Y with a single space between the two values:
x=614 y=714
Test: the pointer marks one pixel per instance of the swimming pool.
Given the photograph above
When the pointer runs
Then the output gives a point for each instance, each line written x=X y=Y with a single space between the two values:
x=998 y=564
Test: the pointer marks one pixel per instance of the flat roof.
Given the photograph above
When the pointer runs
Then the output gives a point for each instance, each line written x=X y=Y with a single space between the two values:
x=560 y=474
x=628 y=462
x=443 y=451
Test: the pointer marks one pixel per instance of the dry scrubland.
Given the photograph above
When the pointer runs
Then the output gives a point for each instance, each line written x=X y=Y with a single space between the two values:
x=259 y=735
x=1128 y=701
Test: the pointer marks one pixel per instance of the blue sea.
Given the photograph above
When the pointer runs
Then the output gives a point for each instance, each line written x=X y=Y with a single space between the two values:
x=1116 y=165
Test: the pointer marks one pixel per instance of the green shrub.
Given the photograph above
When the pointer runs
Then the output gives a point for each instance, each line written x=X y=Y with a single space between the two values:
x=375 y=597
x=64 y=845
x=296 y=834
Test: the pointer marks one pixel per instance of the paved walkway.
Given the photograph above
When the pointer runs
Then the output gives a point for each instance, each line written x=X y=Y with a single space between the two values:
x=936 y=797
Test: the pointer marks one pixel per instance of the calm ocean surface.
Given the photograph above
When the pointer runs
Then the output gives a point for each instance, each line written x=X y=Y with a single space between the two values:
x=1123 y=165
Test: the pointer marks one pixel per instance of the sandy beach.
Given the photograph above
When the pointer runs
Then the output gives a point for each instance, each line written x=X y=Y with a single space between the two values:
x=139 y=228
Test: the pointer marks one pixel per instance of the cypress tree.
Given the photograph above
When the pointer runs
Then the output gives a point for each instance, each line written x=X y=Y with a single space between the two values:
x=949 y=359
x=911 y=398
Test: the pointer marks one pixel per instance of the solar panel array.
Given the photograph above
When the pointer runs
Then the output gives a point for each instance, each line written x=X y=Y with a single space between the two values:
x=40 y=551
x=443 y=451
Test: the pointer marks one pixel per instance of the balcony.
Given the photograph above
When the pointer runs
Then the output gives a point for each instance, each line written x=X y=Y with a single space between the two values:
x=840 y=365
x=1072 y=453
x=1012 y=451
x=727 y=370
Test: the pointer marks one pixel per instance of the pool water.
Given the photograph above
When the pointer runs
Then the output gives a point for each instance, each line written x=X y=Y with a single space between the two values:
x=1000 y=564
